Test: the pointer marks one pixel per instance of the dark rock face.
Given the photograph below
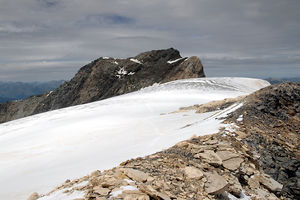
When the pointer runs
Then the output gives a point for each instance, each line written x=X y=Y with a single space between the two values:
x=271 y=121
x=18 y=109
x=108 y=77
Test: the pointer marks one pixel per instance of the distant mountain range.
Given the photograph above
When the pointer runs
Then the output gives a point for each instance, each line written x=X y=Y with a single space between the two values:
x=10 y=91
x=280 y=80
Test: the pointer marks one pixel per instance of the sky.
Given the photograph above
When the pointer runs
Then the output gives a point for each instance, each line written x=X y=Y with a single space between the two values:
x=42 y=40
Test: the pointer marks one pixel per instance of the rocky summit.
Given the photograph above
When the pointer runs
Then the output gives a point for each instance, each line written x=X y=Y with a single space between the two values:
x=256 y=156
x=107 y=77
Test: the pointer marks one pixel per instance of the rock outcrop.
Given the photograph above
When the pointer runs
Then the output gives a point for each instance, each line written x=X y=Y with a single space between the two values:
x=178 y=173
x=271 y=126
x=258 y=158
x=108 y=77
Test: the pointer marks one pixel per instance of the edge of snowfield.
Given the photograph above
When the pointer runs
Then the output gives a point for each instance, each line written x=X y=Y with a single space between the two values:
x=41 y=151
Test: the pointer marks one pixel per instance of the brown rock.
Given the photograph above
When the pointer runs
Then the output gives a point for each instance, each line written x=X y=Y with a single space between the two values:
x=270 y=183
x=102 y=191
x=233 y=163
x=163 y=196
x=134 y=195
x=253 y=182
x=215 y=184
x=235 y=187
x=33 y=196
x=153 y=193
x=135 y=174
x=210 y=157
x=189 y=68
x=225 y=155
x=212 y=142
x=110 y=181
x=193 y=172
x=95 y=173
x=98 y=198
x=265 y=195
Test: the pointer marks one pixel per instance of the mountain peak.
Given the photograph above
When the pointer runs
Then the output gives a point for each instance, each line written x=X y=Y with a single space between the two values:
x=155 y=55
x=107 y=77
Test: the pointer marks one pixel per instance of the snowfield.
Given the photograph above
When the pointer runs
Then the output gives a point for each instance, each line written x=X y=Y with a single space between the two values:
x=40 y=152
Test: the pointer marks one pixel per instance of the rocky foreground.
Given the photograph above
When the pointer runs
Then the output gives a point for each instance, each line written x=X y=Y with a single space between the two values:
x=107 y=77
x=255 y=157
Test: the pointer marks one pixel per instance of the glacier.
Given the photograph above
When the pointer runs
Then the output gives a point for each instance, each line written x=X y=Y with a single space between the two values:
x=41 y=151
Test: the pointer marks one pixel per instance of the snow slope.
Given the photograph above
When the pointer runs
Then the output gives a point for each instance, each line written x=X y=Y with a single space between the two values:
x=41 y=151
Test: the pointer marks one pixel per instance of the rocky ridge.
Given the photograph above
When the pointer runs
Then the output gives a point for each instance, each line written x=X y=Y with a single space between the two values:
x=107 y=77
x=256 y=156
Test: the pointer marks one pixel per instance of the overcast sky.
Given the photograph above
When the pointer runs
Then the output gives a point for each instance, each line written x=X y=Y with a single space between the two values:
x=43 y=40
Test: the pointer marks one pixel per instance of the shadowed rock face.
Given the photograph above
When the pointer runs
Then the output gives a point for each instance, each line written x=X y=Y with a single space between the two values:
x=271 y=124
x=108 y=77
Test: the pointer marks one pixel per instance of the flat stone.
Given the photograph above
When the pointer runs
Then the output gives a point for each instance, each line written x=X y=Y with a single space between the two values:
x=233 y=163
x=148 y=189
x=215 y=184
x=135 y=174
x=102 y=191
x=210 y=157
x=270 y=183
x=265 y=195
x=99 y=198
x=253 y=182
x=211 y=142
x=134 y=195
x=193 y=173
x=163 y=196
x=110 y=181
x=225 y=155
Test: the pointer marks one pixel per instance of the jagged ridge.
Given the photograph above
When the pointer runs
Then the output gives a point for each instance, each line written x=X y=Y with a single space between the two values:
x=108 y=77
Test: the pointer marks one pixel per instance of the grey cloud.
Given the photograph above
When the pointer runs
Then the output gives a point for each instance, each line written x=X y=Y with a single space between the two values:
x=232 y=35
x=104 y=19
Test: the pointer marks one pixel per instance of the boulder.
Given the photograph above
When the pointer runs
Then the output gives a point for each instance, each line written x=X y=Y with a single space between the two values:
x=233 y=163
x=135 y=174
x=102 y=191
x=270 y=183
x=210 y=157
x=226 y=155
x=215 y=184
x=193 y=172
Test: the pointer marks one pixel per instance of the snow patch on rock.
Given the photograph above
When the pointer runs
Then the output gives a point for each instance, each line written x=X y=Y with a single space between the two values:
x=123 y=188
x=174 y=61
x=135 y=60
